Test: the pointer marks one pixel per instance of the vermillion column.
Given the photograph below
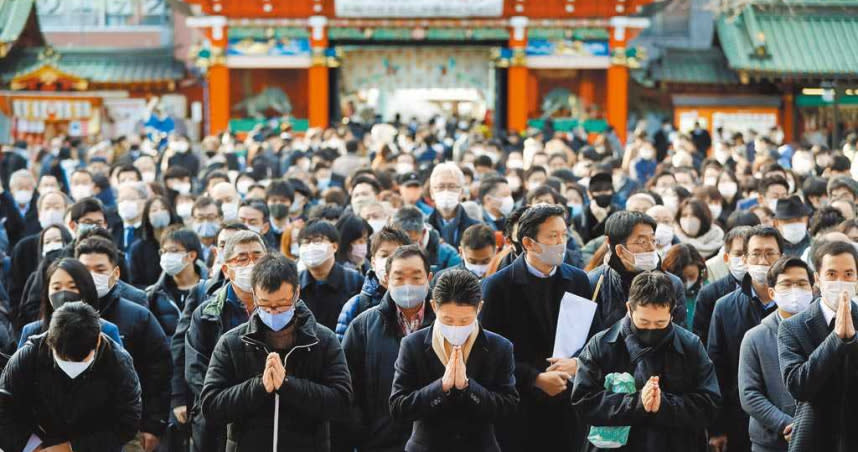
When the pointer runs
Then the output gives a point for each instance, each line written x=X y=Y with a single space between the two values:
x=319 y=101
x=618 y=84
x=218 y=78
x=517 y=76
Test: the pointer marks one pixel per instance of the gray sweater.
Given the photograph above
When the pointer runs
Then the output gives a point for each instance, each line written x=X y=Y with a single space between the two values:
x=761 y=388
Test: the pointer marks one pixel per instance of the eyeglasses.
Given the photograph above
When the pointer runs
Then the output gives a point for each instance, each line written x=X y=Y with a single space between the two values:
x=643 y=243
x=768 y=255
x=786 y=285
x=244 y=259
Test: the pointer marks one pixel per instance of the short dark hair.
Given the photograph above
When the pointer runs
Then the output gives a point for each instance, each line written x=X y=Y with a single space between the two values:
x=319 y=228
x=784 y=263
x=814 y=186
x=489 y=185
x=532 y=218
x=739 y=232
x=840 y=162
x=765 y=231
x=73 y=331
x=280 y=187
x=833 y=248
x=406 y=251
x=742 y=218
x=272 y=271
x=85 y=206
x=128 y=169
x=477 y=237
x=843 y=182
x=185 y=237
x=652 y=288
x=327 y=212
x=204 y=201
x=775 y=179
x=408 y=218
x=97 y=245
x=457 y=286
x=177 y=172
x=372 y=182
x=601 y=182
x=824 y=219
x=388 y=234
x=619 y=226
x=259 y=205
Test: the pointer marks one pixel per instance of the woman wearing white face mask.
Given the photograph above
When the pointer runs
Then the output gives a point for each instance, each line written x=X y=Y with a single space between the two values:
x=157 y=215
x=455 y=358
x=697 y=228
x=72 y=388
x=354 y=240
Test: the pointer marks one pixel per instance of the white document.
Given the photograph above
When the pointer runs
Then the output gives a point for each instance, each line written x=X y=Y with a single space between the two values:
x=573 y=324
x=32 y=443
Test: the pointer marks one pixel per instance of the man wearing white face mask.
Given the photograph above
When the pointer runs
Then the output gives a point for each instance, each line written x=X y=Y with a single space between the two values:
x=54 y=388
x=733 y=316
x=496 y=199
x=372 y=343
x=816 y=348
x=446 y=373
x=18 y=206
x=632 y=245
x=449 y=218
x=522 y=304
x=791 y=217
x=761 y=387
x=225 y=194
x=228 y=307
x=130 y=198
x=143 y=337
x=326 y=285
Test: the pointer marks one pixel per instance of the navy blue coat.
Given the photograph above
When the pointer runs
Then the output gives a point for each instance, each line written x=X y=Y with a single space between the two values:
x=706 y=299
x=453 y=231
x=459 y=420
x=513 y=310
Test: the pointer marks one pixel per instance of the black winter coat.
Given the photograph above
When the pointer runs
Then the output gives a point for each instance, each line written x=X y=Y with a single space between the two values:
x=453 y=231
x=317 y=388
x=97 y=411
x=459 y=420
x=524 y=309
x=18 y=226
x=166 y=302
x=734 y=315
x=371 y=346
x=143 y=263
x=326 y=299
x=146 y=343
x=689 y=389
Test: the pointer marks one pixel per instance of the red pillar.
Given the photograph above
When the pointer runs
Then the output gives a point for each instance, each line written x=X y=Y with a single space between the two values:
x=517 y=85
x=319 y=87
x=218 y=77
x=617 y=108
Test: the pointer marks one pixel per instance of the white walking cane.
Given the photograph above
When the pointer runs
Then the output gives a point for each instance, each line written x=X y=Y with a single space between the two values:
x=277 y=394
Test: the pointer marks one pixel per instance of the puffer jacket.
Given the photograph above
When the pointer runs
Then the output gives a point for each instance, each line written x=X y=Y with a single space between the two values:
x=162 y=303
x=317 y=388
x=370 y=295
x=441 y=255
x=98 y=411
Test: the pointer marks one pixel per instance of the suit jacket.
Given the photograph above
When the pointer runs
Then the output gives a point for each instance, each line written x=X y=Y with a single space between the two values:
x=452 y=232
x=706 y=299
x=819 y=370
x=516 y=308
x=458 y=420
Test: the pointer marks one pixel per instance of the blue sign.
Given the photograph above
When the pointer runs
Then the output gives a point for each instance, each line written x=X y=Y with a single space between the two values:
x=269 y=47
x=545 y=47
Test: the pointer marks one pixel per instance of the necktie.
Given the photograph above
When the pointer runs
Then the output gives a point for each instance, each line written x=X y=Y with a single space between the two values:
x=831 y=324
x=129 y=236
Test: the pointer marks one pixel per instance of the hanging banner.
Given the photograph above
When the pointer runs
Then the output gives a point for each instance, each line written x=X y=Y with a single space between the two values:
x=418 y=8
x=51 y=110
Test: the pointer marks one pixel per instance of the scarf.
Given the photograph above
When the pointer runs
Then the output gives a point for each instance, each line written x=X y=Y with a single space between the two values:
x=441 y=351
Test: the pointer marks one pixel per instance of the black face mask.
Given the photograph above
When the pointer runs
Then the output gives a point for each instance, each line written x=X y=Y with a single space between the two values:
x=603 y=201
x=650 y=338
x=279 y=211
x=60 y=298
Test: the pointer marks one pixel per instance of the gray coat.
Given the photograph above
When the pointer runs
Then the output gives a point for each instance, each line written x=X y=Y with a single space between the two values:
x=761 y=388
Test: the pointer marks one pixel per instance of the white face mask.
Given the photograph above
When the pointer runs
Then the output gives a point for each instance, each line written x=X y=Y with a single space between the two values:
x=183 y=188
x=691 y=225
x=551 y=254
x=772 y=204
x=242 y=278
x=671 y=202
x=358 y=252
x=230 y=211
x=446 y=200
x=477 y=269
x=645 y=261
x=79 y=192
x=51 y=217
x=758 y=273
x=728 y=189
x=102 y=283
x=243 y=186
x=794 y=232
x=184 y=210
x=507 y=204
x=314 y=254
x=380 y=268
x=173 y=263
x=456 y=335
x=128 y=210
x=793 y=300
x=716 y=210
x=738 y=268
x=23 y=197
x=664 y=234
x=160 y=219
x=377 y=224
x=71 y=368
x=409 y=296
x=832 y=290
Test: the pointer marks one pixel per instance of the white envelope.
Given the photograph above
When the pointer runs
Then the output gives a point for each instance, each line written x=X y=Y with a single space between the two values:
x=573 y=325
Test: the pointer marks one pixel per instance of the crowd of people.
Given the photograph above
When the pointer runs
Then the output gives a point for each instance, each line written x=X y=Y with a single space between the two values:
x=408 y=286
